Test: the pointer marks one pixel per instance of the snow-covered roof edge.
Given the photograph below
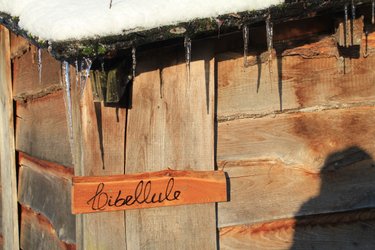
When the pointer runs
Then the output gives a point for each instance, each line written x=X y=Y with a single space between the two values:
x=194 y=29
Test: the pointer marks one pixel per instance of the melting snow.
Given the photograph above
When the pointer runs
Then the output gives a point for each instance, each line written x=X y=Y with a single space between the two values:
x=59 y=20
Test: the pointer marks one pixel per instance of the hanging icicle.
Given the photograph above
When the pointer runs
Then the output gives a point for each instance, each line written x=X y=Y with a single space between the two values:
x=78 y=74
x=134 y=61
x=353 y=10
x=49 y=47
x=40 y=65
x=84 y=73
x=68 y=99
x=187 y=45
x=269 y=33
x=245 y=35
x=345 y=25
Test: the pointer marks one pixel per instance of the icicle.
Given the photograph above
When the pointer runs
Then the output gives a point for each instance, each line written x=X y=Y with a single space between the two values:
x=345 y=24
x=84 y=73
x=49 y=47
x=373 y=12
x=353 y=10
x=40 y=65
x=78 y=75
x=269 y=32
x=187 y=45
x=67 y=87
x=134 y=61
x=245 y=33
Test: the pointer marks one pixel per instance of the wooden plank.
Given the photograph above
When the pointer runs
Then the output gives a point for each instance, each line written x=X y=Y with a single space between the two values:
x=277 y=164
x=7 y=148
x=305 y=76
x=40 y=179
x=38 y=233
x=42 y=129
x=352 y=230
x=18 y=45
x=98 y=149
x=171 y=123
x=26 y=82
x=146 y=190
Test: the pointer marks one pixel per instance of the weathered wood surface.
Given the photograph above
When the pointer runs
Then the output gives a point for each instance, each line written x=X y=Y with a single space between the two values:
x=98 y=149
x=38 y=233
x=42 y=129
x=354 y=230
x=147 y=190
x=171 y=123
x=18 y=45
x=45 y=187
x=305 y=76
x=7 y=147
x=277 y=164
x=26 y=82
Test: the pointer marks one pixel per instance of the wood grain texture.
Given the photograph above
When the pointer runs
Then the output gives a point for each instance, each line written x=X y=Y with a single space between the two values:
x=7 y=147
x=352 y=230
x=277 y=164
x=98 y=149
x=18 y=45
x=147 y=190
x=38 y=233
x=26 y=76
x=304 y=76
x=171 y=123
x=41 y=129
x=46 y=189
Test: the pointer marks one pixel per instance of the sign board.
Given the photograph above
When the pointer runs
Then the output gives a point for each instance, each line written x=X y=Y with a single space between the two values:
x=146 y=190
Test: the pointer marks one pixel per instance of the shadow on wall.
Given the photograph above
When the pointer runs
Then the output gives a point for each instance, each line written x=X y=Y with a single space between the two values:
x=347 y=184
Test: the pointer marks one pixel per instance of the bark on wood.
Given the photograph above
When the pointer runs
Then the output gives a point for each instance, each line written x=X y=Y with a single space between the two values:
x=171 y=124
x=7 y=148
x=352 y=230
x=26 y=82
x=280 y=163
x=38 y=233
x=47 y=193
x=42 y=129
x=98 y=149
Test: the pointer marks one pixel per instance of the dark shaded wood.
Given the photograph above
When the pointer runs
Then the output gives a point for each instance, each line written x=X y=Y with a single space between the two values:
x=352 y=230
x=41 y=129
x=48 y=192
x=38 y=233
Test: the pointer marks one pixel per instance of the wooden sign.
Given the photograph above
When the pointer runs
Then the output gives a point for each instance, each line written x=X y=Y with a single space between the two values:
x=146 y=190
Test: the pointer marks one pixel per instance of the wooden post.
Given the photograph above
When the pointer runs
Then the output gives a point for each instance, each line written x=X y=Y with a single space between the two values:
x=7 y=148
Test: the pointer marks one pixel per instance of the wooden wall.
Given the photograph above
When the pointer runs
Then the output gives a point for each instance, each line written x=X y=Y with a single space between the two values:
x=295 y=134
x=44 y=159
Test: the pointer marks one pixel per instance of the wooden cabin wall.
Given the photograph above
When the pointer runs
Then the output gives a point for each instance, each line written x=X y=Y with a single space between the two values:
x=45 y=166
x=294 y=132
x=296 y=136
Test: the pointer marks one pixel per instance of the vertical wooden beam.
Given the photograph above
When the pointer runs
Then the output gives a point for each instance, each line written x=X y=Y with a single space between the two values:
x=98 y=149
x=171 y=124
x=7 y=147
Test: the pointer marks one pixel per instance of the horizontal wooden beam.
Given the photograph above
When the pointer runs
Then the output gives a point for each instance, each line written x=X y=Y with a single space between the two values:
x=146 y=190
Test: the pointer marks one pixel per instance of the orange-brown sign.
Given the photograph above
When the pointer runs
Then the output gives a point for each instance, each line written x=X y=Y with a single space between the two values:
x=146 y=190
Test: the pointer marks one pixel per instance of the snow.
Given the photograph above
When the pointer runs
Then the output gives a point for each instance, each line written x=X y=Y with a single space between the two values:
x=59 y=20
